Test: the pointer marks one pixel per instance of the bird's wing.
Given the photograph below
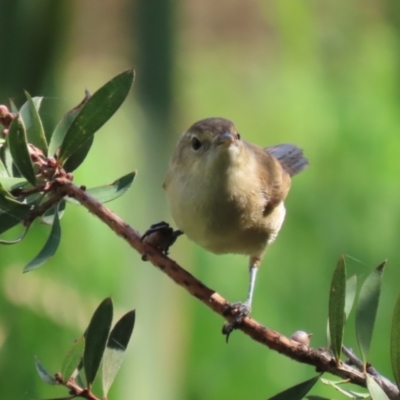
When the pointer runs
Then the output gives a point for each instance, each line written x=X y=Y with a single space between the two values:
x=275 y=180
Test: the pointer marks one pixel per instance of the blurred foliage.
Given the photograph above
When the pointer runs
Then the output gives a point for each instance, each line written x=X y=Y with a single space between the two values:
x=99 y=345
x=323 y=75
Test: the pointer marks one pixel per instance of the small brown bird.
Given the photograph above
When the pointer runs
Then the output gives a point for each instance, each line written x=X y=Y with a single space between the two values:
x=227 y=194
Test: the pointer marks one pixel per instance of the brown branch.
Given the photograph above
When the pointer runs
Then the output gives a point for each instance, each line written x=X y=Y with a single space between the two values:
x=75 y=390
x=382 y=381
x=39 y=210
x=321 y=359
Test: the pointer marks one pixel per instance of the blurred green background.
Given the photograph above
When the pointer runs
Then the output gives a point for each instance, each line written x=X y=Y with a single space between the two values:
x=322 y=74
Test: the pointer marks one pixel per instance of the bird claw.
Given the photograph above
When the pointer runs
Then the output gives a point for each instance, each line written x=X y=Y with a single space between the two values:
x=161 y=236
x=239 y=312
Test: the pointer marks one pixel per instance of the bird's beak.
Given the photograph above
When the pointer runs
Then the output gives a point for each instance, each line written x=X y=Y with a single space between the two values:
x=224 y=139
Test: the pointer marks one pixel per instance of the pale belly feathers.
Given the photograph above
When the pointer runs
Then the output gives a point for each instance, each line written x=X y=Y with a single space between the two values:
x=222 y=220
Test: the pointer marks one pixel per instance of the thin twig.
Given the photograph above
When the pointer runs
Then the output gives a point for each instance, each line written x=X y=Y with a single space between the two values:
x=76 y=390
x=39 y=210
x=354 y=360
x=320 y=359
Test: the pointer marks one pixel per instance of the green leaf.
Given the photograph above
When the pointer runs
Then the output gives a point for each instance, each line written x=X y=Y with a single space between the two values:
x=375 y=390
x=49 y=248
x=62 y=127
x=106 y=193
x=78 y=377
x=48 y=216
x=45 y=376
x=17 y=142
x=7 y=201
x=6 y=159
x=13 y=107
x=366 y=310
x=12 y=212
x=316 y=398
x=8 y=221
x=73 y=359
x=33 y=124
x=347 y=392
x=336 y=308
x=351 y=287
x=96 y=112
x=96 y=339
x=296 y=392
x=115 y=350
x=18 y=239
x=3 y=169
x=395 y=342
x=10 y=183
x=78 y=156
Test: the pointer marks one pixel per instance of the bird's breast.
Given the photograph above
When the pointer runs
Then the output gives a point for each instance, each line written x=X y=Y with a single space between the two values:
x=224 y=215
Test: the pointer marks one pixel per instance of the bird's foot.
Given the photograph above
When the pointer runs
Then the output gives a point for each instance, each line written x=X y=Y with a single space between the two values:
x=161 y=236
x=239 y=311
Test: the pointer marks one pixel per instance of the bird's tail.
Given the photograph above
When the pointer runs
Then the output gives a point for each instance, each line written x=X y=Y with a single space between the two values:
x=289 y=156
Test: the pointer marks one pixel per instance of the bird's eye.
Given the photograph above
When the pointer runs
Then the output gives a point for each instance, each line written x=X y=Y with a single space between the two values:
x=238 y=136
x=196 y=144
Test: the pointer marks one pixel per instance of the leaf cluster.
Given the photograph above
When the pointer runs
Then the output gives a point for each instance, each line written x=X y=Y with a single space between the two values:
x=33 y=164
x=99 y=345
x=341 y=300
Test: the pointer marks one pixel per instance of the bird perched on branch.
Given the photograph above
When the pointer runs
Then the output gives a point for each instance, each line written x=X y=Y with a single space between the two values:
x=227 y=195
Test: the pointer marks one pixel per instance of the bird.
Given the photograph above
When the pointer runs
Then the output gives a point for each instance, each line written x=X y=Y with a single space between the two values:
x=227 y=195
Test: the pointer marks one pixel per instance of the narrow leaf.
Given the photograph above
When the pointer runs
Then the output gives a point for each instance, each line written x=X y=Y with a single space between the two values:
x=296 y=392
x=6 y=159
x=395 y=342
x=366 y=310
x=49 y=248
x=77 y=158
x=17 y=142
x=96 y=339
x=375 y=390
x=8 y=202
x=316 y=398
x=347 y=392
x=10 y=183
x=115 y=350
x=78 y=378
x=351 y=287
x=12 y=212
x=3 y=169
x=59 y=208
x=96 y=112
x=329 y=382
x=45 y=376
x=33 y=124
x=8 y=221
x=336 y=308
x=62 y=127
x=73 y=359
x=106 y=193
x=13 y=107
x=18 y=239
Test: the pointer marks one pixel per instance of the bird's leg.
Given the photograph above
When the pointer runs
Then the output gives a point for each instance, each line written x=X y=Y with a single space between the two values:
x=253 y=274
x=242 y=310
x=245 y=308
